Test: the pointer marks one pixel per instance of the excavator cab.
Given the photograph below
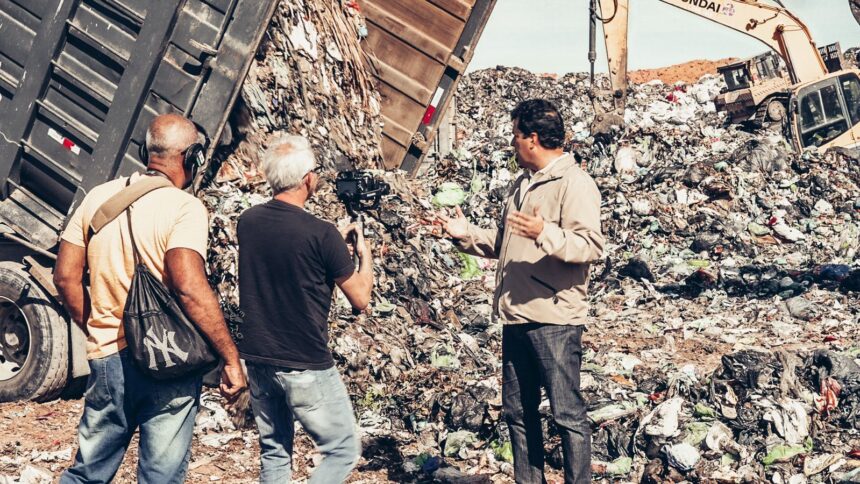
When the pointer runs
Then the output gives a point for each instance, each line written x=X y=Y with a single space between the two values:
x=736 y=76
x=826 y=112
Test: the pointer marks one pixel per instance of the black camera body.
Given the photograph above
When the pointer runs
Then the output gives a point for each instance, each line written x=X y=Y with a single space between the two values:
x=359 y=190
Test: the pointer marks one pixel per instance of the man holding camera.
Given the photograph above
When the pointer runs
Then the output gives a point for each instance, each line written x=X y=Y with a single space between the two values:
x=289 y=262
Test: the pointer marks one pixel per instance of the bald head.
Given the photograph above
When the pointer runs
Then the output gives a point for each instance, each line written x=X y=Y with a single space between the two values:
x=169 y=134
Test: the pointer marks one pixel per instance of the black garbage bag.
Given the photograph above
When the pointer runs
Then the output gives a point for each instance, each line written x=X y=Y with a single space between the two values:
x=469 y=408
x=637 y=269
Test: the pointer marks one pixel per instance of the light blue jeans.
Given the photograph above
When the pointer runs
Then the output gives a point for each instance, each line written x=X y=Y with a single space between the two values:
x=119 y=399
x=320 y=402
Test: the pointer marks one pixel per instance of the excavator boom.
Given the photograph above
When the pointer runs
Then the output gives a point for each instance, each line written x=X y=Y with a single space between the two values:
x=612 y=14
x=773 y=25
x=776 y=27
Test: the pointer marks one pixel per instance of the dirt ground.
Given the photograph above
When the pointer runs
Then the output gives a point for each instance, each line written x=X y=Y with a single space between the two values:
x=43 y=434
x=687 y=72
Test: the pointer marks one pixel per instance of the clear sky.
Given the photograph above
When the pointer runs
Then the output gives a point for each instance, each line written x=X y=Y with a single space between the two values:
x=552 y=35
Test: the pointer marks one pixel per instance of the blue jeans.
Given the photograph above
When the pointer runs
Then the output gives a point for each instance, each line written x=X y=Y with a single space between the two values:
x=320 y=402
x=118 y=400
x=549 y=355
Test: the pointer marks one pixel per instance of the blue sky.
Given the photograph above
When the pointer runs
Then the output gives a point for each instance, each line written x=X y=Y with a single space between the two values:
x=552 y=35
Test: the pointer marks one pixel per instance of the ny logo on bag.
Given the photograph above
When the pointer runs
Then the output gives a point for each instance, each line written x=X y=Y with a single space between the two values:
x=166 y=345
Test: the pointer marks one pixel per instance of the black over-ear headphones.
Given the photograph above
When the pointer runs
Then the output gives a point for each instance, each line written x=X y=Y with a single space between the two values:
x=193 y=157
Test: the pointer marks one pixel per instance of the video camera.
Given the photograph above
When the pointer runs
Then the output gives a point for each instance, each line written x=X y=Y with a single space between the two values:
x=359 y=190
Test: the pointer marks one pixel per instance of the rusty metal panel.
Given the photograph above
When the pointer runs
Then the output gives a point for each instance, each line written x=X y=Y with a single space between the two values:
x=419 y=50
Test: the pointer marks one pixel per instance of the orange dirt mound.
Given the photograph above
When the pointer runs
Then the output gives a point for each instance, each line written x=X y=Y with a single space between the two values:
x=687 y=72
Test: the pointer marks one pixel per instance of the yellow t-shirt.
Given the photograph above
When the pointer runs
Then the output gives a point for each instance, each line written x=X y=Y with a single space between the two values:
x=164 y=219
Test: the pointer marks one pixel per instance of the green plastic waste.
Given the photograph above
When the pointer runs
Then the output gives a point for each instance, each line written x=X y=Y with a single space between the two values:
x=444 y=357
x=698 y=263
x=384 y=307
x=703 y=411
x=620 y=466
x=503 y=451
x=422 y=458
x=471 y=269
x=758 y=230
x=728 y=459
x=456 y=441
x=449 y=195
x=783 y=453
x=696 y=433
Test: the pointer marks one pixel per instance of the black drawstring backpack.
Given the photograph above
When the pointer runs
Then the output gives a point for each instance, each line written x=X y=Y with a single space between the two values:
x=162 y=341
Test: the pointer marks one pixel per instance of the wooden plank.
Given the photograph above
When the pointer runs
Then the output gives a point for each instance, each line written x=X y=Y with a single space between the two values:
x=406 y=85
x=398 y=133
x=402 y=111
x=457 y=8
x=130 y=95
x=409 y=62
x=425 y=27
x=15 y=116
x=392 y=153
x=16 y=39
x=39 y=8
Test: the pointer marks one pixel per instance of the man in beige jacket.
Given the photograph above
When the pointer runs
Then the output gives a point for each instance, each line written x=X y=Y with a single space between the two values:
x=549 y=235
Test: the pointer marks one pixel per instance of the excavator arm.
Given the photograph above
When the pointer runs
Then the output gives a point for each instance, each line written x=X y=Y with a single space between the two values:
x=612 y=14
x=773 y=25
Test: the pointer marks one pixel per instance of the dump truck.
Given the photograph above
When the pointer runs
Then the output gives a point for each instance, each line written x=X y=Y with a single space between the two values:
x=80 y=80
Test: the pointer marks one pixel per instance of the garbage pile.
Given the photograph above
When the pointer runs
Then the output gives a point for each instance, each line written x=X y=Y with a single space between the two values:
x=310 y=78
x=724 y=313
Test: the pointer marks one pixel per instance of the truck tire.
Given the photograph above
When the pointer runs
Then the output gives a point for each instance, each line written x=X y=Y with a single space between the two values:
x=34 y=339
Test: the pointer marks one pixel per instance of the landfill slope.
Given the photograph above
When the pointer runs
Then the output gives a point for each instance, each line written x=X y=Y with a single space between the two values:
x=730 y=261
x=724 y=316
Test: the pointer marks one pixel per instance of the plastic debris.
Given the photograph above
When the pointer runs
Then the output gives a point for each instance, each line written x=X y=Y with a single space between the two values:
x=682 y=456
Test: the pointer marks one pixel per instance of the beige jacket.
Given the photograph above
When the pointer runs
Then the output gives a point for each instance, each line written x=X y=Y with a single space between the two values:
x=545 y=280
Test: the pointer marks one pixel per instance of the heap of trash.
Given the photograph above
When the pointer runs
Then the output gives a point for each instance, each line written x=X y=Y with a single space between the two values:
x=724 y=313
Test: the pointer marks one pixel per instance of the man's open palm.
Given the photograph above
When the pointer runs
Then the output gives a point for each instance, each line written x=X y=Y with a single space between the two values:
x=456 y=227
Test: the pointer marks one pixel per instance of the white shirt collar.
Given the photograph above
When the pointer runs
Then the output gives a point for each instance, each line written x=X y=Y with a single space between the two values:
x=549 y=165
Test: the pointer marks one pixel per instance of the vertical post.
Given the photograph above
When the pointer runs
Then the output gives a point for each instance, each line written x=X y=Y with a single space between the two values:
x=592 y=36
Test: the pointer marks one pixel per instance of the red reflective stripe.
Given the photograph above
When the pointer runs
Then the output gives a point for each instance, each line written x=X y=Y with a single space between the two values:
x=428 y=115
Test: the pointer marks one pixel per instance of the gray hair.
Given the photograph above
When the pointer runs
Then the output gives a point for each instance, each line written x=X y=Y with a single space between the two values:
x=286 y=162
x=167 y=135
x=157 y=145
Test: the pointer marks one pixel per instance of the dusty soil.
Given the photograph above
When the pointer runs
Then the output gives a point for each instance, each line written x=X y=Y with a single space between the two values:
x=687 y=72
x=30 y=431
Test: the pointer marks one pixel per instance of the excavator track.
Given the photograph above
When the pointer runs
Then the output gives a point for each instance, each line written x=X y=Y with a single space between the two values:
x=771 y=111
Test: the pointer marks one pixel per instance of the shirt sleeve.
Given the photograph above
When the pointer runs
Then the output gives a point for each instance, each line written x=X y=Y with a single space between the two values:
x=191 y=230
x=74 y=233
x=337 y=259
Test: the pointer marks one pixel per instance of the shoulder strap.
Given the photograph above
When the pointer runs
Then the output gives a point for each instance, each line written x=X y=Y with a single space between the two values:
x=118 y=203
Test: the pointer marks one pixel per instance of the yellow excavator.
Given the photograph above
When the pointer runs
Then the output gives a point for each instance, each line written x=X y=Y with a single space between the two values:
x=823 y=107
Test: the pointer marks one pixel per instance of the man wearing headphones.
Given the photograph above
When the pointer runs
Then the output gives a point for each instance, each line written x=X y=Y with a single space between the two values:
x=171 y=231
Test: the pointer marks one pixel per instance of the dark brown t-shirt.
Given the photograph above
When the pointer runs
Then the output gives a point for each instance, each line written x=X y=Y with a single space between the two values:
x=288 y=262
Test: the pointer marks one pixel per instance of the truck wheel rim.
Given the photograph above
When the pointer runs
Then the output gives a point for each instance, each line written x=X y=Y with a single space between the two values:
x=14 y=339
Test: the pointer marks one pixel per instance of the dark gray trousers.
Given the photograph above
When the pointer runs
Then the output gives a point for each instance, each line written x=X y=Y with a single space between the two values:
x=548 y=355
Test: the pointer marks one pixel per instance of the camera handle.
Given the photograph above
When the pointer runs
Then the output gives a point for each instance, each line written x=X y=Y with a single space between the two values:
x=358 y=219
